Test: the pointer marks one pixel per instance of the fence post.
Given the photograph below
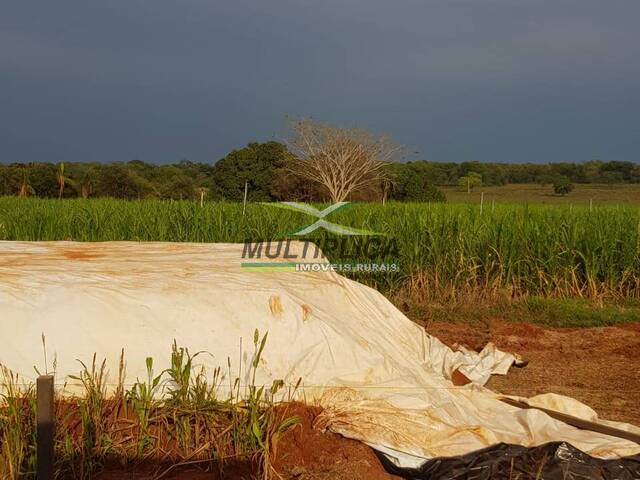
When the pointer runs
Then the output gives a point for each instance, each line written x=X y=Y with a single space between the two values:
x=45 y=427
x=244 y=202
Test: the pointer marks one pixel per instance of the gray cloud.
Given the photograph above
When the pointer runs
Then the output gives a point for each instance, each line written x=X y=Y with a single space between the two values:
x=455 y=80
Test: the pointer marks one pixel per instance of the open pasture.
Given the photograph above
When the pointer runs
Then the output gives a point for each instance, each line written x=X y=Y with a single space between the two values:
x=583 y=195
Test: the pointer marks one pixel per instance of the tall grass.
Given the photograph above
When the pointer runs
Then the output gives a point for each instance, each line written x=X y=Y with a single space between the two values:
x=445 y=251
x=17 y=426
x=174 y=417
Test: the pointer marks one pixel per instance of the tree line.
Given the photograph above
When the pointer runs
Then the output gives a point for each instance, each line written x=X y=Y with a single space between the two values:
x=271 y=172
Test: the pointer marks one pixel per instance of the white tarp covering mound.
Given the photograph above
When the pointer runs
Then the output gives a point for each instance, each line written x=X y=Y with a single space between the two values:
x=380 y=377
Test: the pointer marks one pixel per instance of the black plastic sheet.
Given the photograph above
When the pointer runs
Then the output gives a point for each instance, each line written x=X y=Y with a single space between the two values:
x=551 y=461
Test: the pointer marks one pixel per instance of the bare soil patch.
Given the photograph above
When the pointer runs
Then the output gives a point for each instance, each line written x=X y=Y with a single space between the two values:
x=598 y=366
x=305 y=453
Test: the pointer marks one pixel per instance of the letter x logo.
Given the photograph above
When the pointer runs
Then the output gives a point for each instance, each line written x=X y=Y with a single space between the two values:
x=321 y=222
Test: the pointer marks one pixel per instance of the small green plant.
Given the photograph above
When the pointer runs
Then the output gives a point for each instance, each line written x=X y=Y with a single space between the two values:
x=191 y=398
x=142 y=399
x=256 y=424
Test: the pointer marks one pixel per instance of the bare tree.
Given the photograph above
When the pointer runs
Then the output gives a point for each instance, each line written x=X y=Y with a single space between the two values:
x=341 y=160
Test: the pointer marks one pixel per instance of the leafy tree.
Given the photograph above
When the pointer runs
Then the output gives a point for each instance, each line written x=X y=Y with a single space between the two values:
x=43 y=180
x=200 y=173
x=179 y=187
x=266 y=170
x=621 y=169
x=591 y=171
x=470 y=181
x=412 y=184
x=611 y=177
x=418 y=189
x=10 y=179
x=116 y=180
x=562 y=185
x=545 y=179
x=257 y=164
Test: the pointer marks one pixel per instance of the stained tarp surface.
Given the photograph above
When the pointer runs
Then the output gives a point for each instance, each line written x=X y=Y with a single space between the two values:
x=381 y=378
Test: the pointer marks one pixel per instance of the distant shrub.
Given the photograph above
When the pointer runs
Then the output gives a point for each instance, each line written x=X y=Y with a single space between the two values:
x=562 y=186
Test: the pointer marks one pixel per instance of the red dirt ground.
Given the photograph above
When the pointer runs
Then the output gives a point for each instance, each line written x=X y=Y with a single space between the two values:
x=308 y=454
x=598 y=366
x=303 y=453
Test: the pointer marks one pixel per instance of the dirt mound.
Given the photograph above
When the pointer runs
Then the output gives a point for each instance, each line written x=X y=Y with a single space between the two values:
x=306 y=453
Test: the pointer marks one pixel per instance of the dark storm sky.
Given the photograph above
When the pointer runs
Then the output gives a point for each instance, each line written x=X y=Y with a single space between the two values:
x=455 y=80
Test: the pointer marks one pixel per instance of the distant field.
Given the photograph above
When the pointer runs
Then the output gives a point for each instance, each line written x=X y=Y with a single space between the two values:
x=625 y=194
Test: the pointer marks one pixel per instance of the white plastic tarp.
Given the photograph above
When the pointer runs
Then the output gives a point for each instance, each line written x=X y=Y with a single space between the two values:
x=381 y=378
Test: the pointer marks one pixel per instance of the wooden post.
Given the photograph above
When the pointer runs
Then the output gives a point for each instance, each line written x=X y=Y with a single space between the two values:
x=481 y=202
x=45 y=427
